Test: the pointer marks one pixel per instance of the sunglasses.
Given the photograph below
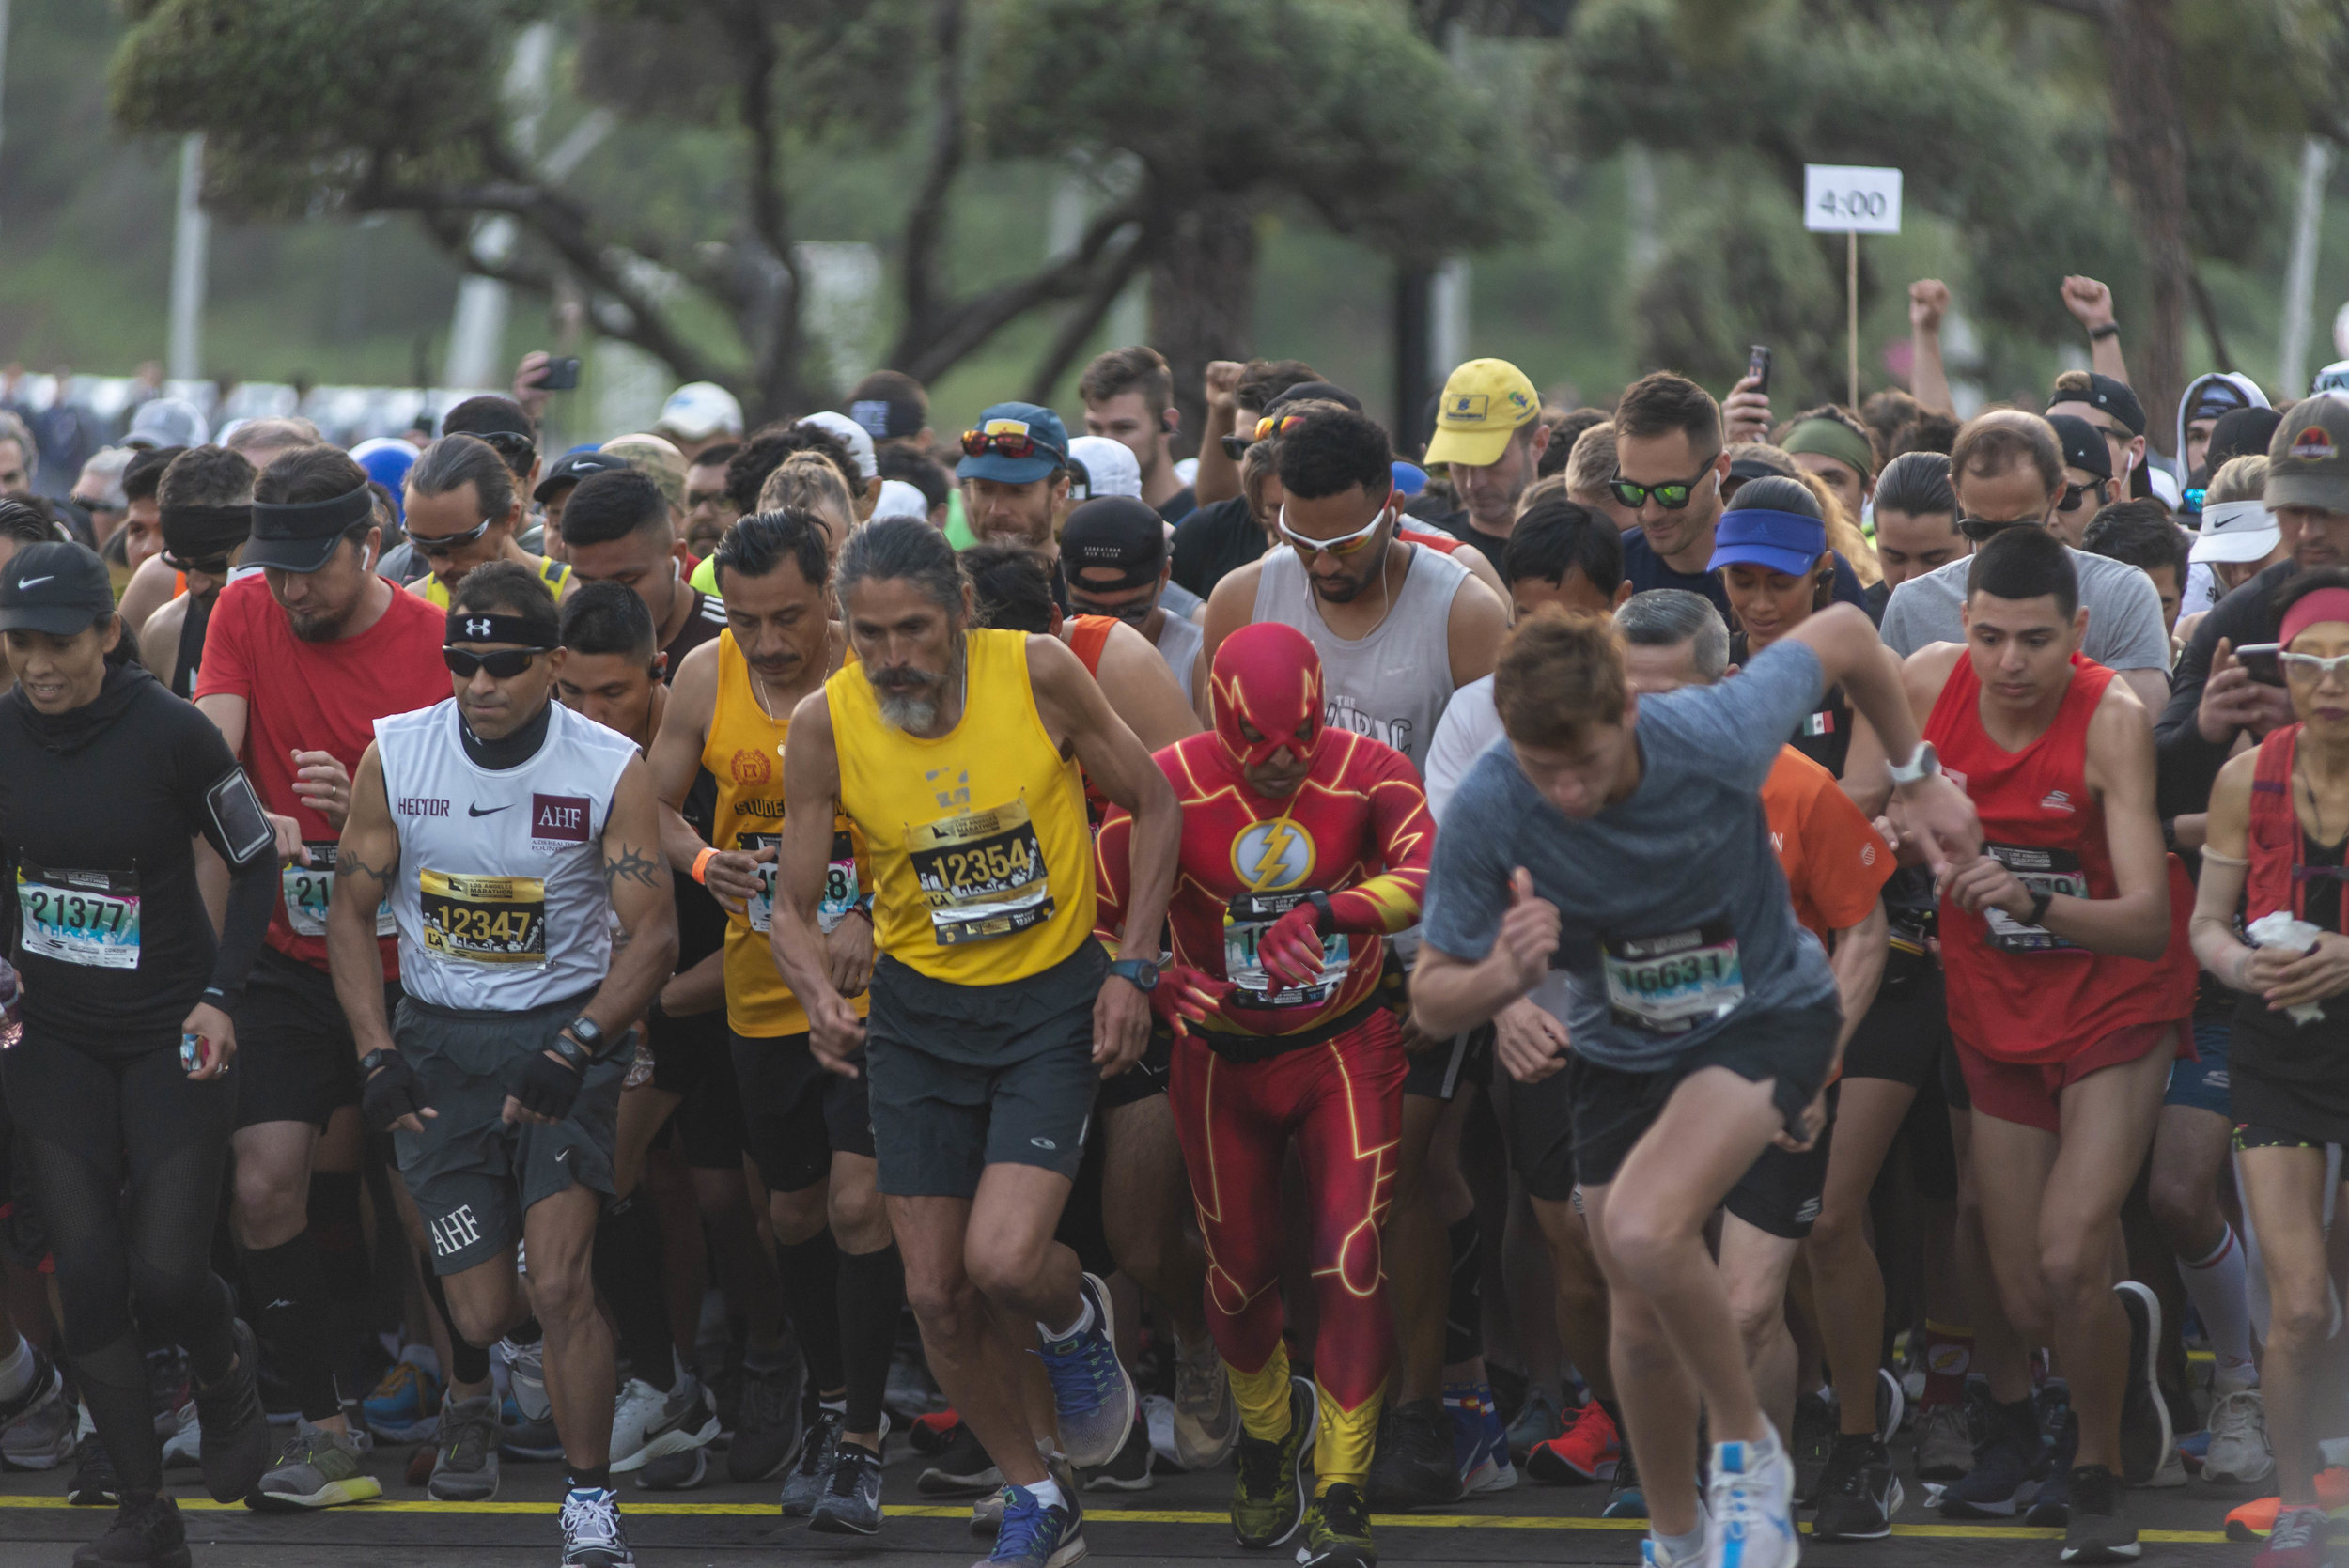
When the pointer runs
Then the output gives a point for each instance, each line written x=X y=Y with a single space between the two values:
x=503 y=665
x=2072 y=494
x=510 y=444
x=1980 y=529
x=216 y=565
x=1672 y=496
x=2312 y=665
x=97 y=503
x=1007 y=444
x=1135 y=614
x=1342 y=546
x=448 y=544
x=1235 y=445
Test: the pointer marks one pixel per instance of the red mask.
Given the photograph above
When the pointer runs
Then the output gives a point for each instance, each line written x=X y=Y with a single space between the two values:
x=1268 y=675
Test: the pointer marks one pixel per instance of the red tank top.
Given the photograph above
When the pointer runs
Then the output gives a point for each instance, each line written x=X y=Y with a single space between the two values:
x=2018 y=993
x=2276 y=848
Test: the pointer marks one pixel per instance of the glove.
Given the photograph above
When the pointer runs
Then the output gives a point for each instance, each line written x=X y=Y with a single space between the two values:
x=393 y=1090
x=541 y=1084
x=1186 y=995
x=1291 y=951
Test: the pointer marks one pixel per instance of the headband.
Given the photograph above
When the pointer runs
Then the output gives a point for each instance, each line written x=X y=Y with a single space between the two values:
x=206 y=533
x=2226 y=517
x=1831 y=438
x=308 y=519
x=480 y=626
x=2325 y=604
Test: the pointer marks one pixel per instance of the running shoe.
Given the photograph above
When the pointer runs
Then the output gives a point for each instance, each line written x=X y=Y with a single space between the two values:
x=1269 y=1499
x=1034 y=1536
x=1945 y=1448
x=1475 y=1437
x=2146 y=1436
x=405 y=1406
x=1892 y=1405
x=648 y=1424
x=526 y=1378
x=1626 y=1499
x=519 y=1437
x=236 y=1430
x=465 y=1452
x=1817 y=1427
x=810 y=1478
x=1653 y=1555
x=318 y=1469
x=2099 y=1530
x=145 y=1534
x=1094 y=1397
x=675 y=1472
x=1587 y=1450
x=93 y=1485
x=184 y=1449
x=1999 y=1484
x=851 y=1503
x=1413 y=1465
x=1206 y=1418
x=1750 y=1500
x=2052 y=1508
x=38 y=1427
x=770 y=1428
x=1503 y=1474
x=1860 y=1494
x=2297 y=1541
x=1537 y=1423
x=1128 y=1470
x=593 y=1533
x=1337 y=1531
x=2239 y=1453
x=2252 y=1521
x=962 y=1469
x=931 y=1431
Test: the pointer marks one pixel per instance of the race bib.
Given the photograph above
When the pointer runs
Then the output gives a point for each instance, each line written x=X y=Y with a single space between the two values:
x=1246 y=919
x=484 y=920
x=81 y=917
x=2042 y=870
x=982 y=873
x=1670 y=984
x=309 y=889
x=840 y=888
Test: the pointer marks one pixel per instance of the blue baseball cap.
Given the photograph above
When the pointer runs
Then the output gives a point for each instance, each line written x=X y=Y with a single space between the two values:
x=1009 y=423
x=1409 y=478
x=1775 y=541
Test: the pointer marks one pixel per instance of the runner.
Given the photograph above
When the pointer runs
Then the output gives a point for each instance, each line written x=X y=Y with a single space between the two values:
x=1490 y=435
x=994 y=1014
x=1303 y=851
x=1916 y=519
x=506 y=922
x=1129 y=398
x=2269 y=849
x=117 y=1086
x=302 y=657
x=1612 y=834
x=809 y=1131
x=463 y=511
x=2066 y=1003
x=205 y=502
x=1114 y=551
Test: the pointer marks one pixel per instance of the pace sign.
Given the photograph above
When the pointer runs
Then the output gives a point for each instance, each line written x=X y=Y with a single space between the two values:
x=1847 y=198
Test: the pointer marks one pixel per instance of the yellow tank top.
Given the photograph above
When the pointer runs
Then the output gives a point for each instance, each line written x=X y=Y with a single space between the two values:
x=551 y=572
x=744 y=754
x=982 y=861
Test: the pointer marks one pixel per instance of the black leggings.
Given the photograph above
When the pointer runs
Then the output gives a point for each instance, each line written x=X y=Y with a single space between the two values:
x=125 y=1158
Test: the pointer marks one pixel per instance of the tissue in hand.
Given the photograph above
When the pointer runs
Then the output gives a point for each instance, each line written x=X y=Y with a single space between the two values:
x=2279 y=929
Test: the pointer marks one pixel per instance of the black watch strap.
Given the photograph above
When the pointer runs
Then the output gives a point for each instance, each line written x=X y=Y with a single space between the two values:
x=375 y=1060
x=2039 y=902
x=1325 y=916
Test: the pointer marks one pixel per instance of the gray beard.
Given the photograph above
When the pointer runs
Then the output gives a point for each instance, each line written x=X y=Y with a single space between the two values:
x=916 y=709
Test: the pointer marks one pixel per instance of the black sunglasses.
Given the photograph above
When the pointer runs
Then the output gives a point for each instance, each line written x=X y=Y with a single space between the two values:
x=2072 y=494
x=216 y=565
x=1980 y=529
x=1671 y=495
x=504 y=664
x=448 y=544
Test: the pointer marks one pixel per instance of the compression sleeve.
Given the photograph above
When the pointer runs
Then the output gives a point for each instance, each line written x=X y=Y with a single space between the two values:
x=1390 y=901
x=252 y=899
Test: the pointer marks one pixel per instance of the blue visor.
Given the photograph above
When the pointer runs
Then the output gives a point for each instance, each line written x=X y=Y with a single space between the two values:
x=1776 y=541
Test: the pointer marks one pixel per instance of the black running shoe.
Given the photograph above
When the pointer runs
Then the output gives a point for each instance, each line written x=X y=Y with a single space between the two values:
x=851 y=1503
x=963 y=1471
x=1414 y=1466
x=235 y=1450
x=771 y=1425
x=2099 y=1530
x=146 y=1534
x=1859 y=1493
x=93 y=1485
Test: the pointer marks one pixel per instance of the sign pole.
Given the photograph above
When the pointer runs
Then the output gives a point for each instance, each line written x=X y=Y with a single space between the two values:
x=1850 y=200
x=1851 y=309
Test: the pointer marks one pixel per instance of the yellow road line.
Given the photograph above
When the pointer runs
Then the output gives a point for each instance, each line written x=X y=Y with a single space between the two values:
x=1167 y=1516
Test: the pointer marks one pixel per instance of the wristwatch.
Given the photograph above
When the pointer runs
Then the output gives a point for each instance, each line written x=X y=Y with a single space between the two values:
x=1922 y=764
x=375 y=1060
x=1323 y=915
x=579 y=1043
x=1142 y=972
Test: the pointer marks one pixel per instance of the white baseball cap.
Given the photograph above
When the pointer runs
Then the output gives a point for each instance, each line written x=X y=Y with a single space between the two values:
x=855 y=437
x=900 y=500
x=1110 y=464
x=2235 y=531
x=698 y=410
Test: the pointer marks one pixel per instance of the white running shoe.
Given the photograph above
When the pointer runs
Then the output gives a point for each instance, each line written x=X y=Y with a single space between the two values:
x=648 y=1424
x=2239 y=1451
x=184 y=1449
x=526 y=1378
x=1750 y=1500
x=41 y=1437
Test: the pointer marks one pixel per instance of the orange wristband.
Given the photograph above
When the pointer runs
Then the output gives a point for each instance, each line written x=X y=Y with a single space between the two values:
x=701 y=867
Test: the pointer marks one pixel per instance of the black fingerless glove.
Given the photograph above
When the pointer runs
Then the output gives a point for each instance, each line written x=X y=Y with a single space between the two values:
x=541 y=1083
x=391 y=1092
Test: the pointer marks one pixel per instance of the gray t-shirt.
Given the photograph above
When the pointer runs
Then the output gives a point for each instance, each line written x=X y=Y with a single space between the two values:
x=1675 y=915
x=2124 y=630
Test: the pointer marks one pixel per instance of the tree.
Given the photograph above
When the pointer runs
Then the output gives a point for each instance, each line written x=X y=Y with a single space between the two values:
x=680 y=237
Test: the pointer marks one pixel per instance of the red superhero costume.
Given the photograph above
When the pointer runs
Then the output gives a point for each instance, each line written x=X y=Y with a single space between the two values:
x=1281 y=910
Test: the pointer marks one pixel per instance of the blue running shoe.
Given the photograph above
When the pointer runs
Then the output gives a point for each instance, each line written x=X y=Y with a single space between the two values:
x=1998 y=1486
x=1091 y=1391
x=1034 y=1536
x=405 y=1406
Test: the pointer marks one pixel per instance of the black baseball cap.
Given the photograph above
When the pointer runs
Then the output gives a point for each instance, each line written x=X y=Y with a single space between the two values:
x=1316 y=391
x=1122 y=533
x=2083 y=444
x=301 y=536
x=2112 y=396
x=57 y=588
x=571 y=467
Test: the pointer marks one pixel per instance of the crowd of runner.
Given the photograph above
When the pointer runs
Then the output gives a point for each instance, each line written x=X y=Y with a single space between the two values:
x=1768 y=965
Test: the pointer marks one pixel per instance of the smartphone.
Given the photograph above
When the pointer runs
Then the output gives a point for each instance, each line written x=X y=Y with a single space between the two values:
x=1758 y=367
x=192 y=1051
x=562 y=375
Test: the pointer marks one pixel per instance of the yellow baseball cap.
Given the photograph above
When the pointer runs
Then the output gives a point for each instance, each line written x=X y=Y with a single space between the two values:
x=1485 y=401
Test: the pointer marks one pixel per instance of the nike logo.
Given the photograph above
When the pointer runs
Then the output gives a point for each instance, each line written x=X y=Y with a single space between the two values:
x=281 y=1301
x=561 y=1156
x=476 y=810
x=35 y=581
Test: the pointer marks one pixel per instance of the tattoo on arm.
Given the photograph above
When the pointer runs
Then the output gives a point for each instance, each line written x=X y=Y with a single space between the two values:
x=630 y=866
x=349 y=865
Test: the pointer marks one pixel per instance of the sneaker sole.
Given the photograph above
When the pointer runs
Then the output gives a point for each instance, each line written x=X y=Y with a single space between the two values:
x=334 y=1494
x=1488 y=1476
x=1544 y=1464
x=840 y=1524
x=2222 y=1478
x=676 y=1440
x=2152 y=1389
x=1071 y=1550
x=2099 y=1552
x=437 y=1493
x=1120 y=1483
x=1892 y=1500
x=936 y=1483
x=1298 y=1474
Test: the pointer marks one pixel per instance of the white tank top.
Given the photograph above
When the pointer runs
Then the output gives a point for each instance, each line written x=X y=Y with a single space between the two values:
x=499 y=894
x=1395 y=684
x=1179 y=644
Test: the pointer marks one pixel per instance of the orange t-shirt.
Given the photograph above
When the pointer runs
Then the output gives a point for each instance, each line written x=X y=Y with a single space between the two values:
x=1835 y=861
